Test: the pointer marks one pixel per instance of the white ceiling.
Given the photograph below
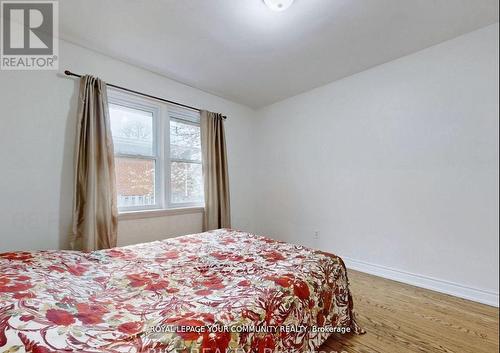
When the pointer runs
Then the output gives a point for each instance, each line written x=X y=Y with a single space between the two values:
x=240 y=50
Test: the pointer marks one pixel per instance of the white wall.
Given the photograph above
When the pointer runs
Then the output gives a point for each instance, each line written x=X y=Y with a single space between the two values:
x=132 y=231
x=396 y=166
x=37 y=136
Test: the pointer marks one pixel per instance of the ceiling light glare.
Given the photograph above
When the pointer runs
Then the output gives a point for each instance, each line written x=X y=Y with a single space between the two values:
x=278 y=5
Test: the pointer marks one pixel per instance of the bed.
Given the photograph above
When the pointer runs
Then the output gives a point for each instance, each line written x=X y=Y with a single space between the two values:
x=209 y=292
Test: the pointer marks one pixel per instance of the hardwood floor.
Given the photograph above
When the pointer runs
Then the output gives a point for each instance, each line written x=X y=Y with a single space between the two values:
x=400 y=318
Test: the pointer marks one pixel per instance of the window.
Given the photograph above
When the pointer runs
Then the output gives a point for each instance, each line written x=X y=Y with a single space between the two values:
x=157 y=154
x=186 y=178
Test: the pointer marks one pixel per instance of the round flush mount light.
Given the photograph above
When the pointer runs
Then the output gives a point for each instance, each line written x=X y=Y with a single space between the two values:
x=278 y=5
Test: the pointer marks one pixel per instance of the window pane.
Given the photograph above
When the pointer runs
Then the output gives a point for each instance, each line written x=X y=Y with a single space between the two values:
x=132 y=130
x=186 y=182
x=135 y=182
x=185 y=141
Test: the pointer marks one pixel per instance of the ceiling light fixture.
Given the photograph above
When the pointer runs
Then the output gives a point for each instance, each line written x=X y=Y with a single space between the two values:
x=278 y=5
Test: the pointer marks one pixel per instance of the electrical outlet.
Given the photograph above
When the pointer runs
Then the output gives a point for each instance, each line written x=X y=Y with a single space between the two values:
x=316 y=235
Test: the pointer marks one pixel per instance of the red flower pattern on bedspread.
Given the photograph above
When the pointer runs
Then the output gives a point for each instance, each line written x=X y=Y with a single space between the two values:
x=115 y=300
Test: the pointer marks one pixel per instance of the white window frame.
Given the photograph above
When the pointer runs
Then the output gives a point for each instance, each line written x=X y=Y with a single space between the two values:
x=162 y=115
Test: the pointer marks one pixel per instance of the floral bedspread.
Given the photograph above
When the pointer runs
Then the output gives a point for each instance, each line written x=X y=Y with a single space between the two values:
x=212 y=292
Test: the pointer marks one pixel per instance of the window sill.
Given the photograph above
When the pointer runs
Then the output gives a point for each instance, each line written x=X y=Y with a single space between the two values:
x=124 y=216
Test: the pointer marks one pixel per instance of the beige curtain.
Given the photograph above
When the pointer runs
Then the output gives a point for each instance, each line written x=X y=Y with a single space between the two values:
x=213 y=144
x=95 y=214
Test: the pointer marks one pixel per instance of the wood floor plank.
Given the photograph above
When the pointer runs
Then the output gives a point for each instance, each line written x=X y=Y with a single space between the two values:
x=400 y=318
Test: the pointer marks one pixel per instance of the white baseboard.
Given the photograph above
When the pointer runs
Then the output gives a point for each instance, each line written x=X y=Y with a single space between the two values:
x=438 y=285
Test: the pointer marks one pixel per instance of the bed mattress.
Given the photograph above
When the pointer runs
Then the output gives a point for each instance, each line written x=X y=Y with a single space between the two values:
x=211 y=292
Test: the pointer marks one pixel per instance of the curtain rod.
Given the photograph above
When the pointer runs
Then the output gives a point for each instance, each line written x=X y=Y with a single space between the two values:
x=69 y=73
